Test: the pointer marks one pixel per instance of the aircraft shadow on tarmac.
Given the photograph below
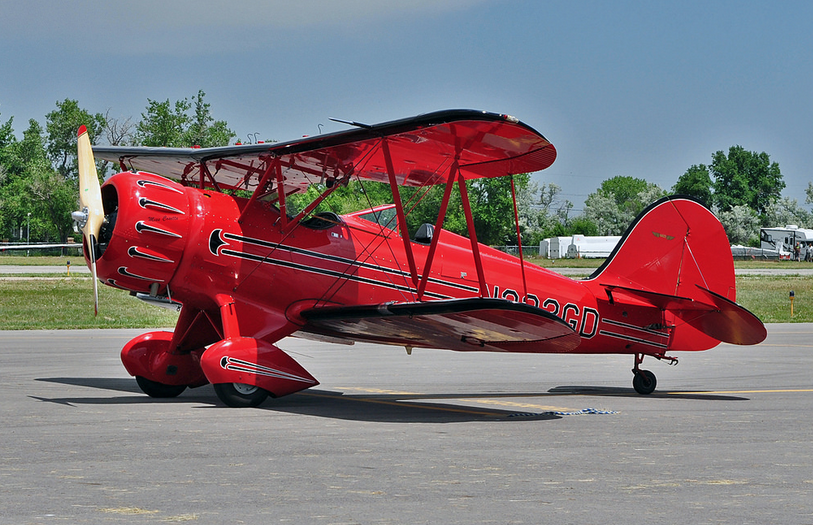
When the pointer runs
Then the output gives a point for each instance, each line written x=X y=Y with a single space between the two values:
x=384 y=407
x=629 y=392
x=390 y=408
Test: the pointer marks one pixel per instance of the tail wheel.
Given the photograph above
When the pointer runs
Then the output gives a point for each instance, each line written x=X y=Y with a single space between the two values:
x=644 y=382
x=159 y=390
x=240 y=395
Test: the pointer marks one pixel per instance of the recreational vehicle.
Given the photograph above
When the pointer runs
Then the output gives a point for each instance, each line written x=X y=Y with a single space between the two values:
x=784 y=241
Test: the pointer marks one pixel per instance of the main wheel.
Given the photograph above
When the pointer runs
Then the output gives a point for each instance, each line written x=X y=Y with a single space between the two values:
x=159 y=390
x=240 y=395
x=644 y=382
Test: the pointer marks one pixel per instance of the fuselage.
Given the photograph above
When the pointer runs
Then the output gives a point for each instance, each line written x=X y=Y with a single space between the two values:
x=204 y=249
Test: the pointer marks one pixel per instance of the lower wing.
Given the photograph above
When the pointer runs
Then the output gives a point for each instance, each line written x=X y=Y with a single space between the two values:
x=454 y=324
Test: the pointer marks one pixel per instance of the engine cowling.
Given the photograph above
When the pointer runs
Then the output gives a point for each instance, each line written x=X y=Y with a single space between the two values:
x=146 y=227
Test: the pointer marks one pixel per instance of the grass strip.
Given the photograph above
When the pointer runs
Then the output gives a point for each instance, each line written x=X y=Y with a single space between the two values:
x=6 y=259
x=67 y=303
x=768 y=297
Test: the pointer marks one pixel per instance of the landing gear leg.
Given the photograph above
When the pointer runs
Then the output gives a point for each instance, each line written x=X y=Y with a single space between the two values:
x=643 y=381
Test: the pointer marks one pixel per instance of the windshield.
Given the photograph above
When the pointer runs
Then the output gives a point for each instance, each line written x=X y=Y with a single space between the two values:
x=386 y=217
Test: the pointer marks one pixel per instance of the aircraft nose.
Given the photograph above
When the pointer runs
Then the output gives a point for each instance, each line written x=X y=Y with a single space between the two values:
x=144 y=234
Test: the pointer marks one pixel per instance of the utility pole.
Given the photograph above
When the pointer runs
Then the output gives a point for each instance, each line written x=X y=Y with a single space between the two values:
x=28 y=234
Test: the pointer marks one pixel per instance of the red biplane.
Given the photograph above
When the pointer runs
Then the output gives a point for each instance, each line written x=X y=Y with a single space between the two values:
x=248 y=272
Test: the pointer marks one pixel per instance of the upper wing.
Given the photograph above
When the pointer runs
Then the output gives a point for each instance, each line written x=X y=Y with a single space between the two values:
x=454 y=324
x=423 y=148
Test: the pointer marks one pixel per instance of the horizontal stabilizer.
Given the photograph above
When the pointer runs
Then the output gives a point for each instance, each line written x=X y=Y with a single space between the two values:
x=729 y=322
x=663 y=301
x=712 y=314
x=454 y=324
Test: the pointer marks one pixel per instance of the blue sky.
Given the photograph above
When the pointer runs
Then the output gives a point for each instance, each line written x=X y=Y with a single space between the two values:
x=644 y=89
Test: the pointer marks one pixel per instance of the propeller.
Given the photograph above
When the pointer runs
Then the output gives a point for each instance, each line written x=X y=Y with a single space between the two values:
x=91 y=215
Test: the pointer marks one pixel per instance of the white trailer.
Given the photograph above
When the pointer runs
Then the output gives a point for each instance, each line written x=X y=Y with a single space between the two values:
x=592 y=247
x=544 y=248
x=784 y=241
x=558 y=247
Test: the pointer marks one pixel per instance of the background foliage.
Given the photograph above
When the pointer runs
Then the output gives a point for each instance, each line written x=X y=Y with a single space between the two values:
x=38 y=173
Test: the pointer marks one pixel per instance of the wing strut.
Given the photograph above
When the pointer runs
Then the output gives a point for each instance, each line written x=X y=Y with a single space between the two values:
x=272 y=166
x=204 y=173
x=475 y=248
x=292 y=223
x=399 y=208
x=447 y=193
x=283 y=211
x=454 y=174
x=519 y=238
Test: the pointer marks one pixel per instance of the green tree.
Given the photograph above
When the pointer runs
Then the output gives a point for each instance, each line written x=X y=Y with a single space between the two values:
x=492 y=209
x=6 y=134
x=583 y=226
x=786 y=211
x=745 y=178
x=8 y=208
x=61 y=126
x=164 y=124
x=204 y=130
x=618 y=201
x=696 y=182
x=30 y=185
x=624 y=190
x=171 y=125
x=7 y=139
x=53 y=198
x=603 y=211
x=741 y=224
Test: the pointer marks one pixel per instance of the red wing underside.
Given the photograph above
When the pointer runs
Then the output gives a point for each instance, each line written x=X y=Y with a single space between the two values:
x=455 y=324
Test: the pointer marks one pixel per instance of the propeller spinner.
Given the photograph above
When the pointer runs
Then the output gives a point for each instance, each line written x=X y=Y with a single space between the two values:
x=91 y=215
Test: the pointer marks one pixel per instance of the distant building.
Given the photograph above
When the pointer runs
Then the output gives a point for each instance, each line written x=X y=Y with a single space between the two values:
x=593 y=247
x=578 y=246
x=557 y=247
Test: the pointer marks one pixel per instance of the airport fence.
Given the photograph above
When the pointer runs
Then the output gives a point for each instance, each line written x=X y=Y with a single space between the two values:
x=527 y=251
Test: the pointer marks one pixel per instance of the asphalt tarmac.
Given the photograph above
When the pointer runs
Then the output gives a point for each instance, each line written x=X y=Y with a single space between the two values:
x=437 y=437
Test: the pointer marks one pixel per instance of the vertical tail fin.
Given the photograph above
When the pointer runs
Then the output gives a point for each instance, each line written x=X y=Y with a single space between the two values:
x=678 y=250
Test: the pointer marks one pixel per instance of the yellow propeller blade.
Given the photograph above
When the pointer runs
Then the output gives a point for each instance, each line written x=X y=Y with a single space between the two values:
x=90 y=194
x=90 y=199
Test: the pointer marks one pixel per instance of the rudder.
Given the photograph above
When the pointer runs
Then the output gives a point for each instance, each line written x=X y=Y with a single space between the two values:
x=672 y=256
x=674 y=244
